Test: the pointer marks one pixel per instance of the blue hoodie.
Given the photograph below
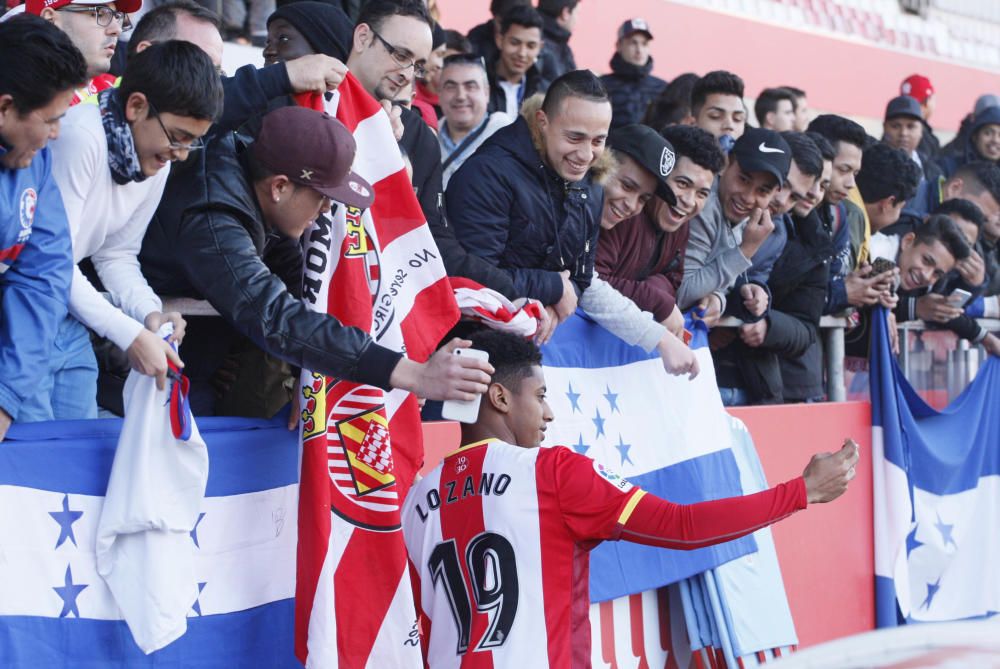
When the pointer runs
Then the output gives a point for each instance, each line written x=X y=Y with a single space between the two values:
x=36 y=266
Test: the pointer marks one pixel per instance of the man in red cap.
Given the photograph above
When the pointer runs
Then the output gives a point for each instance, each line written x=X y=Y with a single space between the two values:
x=919 y=87
x=94 y=28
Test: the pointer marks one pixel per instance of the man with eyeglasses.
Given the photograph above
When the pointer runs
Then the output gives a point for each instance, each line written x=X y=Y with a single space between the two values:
x=392 y=41
x=110 y=163
x=463 y=90
x=94 y=28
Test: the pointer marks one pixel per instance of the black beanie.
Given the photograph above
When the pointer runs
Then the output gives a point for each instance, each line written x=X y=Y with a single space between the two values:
x=325 y=26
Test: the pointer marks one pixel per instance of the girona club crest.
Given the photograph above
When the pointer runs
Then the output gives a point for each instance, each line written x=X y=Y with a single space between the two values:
x=355 y=434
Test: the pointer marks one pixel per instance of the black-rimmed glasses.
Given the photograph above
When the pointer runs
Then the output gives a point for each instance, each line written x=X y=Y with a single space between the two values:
x=193 y=145
x=402 y=59
x=103 y=14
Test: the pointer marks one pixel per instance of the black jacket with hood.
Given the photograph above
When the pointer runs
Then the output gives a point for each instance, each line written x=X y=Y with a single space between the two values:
x=631 y=89
x=514 y=211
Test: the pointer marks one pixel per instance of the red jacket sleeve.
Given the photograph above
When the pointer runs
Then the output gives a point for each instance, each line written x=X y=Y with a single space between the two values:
x=648 y=519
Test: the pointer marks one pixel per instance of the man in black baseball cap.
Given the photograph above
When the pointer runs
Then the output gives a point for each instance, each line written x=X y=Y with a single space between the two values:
x=903 y=129
x=735 y=222
x=645 y=160
x=238 y=211
x=903 y=125
x=631 y=85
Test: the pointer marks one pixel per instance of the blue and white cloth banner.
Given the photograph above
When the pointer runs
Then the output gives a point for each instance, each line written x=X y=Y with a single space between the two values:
x=741 y=606
x=616 y=404
x=937 y=495
x=56 y=611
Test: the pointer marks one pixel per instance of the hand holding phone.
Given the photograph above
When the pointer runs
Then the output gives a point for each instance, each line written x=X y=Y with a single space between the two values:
x=464 y=412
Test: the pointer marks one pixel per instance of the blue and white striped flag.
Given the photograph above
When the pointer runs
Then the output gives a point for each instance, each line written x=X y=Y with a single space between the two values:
x=615 y=403
x=937 y=496
x=56 y=611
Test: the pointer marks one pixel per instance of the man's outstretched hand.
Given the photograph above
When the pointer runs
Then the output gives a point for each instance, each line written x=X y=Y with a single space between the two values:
x=828 y=474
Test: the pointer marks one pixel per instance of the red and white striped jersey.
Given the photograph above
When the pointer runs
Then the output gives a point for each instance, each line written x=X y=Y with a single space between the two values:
x=499 y=536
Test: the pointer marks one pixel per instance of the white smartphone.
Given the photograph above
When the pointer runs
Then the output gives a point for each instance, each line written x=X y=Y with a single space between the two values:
x=464 y=412
x=958 y=297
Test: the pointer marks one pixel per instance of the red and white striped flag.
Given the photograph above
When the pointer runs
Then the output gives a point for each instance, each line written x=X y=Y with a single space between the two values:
x=378 y=270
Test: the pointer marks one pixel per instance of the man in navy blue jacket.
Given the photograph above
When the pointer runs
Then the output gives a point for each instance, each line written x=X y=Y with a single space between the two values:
x=41 y=71
x=527 y=202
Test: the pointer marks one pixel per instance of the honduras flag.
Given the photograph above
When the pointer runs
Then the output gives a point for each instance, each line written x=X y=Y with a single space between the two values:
x=937 y=496
x=616 y=404
x=56 y=611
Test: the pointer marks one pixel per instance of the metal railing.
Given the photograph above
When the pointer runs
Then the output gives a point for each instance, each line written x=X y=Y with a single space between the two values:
x=832 y=331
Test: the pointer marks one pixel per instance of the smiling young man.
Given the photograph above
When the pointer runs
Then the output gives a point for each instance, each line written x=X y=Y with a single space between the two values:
x=924 y=258
x=93 y=27
x=528 y=202
x=499 y=533
x=111 y=166
x=641 y=252
x=42 y=68
x=735 y=222
x=748 y=366
x=514 y=75
x=631 y=84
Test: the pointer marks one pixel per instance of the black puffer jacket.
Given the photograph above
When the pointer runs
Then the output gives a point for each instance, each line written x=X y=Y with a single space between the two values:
x=631 y=89
x=207 y=240
x=515 y=212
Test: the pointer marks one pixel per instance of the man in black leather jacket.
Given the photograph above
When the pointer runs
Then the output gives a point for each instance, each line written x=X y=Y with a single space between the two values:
x=236 y=206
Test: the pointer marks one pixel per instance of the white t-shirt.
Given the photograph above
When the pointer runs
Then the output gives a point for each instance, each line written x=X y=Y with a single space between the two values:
x=107 y=222
x=511 y=93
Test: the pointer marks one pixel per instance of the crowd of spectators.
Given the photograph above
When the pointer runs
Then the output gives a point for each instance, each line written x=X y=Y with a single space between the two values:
x=638 y=201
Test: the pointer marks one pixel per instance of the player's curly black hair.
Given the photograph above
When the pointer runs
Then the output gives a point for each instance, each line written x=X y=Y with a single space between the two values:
x=697 y=145
x=839 y=129
x=512 y=356
x=887 y=172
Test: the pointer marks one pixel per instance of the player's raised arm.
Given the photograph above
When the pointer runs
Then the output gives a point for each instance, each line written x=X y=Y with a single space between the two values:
x=648 y=519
